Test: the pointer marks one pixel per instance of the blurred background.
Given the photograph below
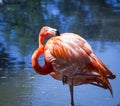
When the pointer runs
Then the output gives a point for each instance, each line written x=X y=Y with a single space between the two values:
x=98 y=21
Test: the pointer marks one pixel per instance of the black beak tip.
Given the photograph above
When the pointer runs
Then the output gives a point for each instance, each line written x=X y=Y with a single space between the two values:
x=57 y=33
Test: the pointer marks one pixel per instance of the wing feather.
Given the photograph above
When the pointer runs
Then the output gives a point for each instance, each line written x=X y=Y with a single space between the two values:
x=71 y=49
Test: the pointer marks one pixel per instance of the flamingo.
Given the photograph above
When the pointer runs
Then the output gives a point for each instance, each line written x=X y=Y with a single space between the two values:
x=68 y=57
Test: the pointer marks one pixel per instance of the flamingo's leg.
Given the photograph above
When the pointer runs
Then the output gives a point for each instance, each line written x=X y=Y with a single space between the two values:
x=71 y=87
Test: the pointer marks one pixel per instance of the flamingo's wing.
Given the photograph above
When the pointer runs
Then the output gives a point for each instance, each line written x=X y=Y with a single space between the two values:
x=72 y=52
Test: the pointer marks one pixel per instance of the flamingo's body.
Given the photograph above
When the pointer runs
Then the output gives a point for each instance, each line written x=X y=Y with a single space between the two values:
x=70 y=58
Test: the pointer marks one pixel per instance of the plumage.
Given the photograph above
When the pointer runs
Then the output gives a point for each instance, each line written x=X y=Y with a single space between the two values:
x=70 y=58
x=74 y=58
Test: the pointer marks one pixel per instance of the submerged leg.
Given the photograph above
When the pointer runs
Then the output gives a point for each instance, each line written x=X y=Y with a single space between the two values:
x=71 y=93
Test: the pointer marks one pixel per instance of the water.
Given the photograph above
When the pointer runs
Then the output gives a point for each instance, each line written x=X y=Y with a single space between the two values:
x=20 y=21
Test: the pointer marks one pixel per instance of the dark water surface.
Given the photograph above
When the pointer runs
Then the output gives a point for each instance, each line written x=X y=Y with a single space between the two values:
x=20 y=22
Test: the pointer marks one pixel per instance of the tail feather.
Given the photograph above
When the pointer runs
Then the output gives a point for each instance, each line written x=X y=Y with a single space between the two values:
x=101 y=66
x=104 y=74
x=110 y=75
x=102 y=84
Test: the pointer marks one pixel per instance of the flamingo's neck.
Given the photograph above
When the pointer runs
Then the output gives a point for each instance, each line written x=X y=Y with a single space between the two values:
x=41 y=41
x=46 y=69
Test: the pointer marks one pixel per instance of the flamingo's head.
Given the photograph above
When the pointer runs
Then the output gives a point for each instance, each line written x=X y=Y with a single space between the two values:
x=48 y=31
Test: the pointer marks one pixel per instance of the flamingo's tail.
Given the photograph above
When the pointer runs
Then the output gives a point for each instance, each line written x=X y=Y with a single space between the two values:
x=104 y=74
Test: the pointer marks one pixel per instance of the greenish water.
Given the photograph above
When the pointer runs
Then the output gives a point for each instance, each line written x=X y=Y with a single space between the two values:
x=20 y=22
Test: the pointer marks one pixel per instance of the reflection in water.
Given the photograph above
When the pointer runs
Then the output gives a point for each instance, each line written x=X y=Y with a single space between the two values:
x=20 y=21
x=16 y=88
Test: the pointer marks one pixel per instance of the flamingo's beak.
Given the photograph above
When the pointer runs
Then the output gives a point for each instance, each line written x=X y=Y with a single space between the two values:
x=57 y=33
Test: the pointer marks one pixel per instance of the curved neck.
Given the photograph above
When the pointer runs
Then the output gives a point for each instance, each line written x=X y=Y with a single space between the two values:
x=41 y=41
x=46 y=69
